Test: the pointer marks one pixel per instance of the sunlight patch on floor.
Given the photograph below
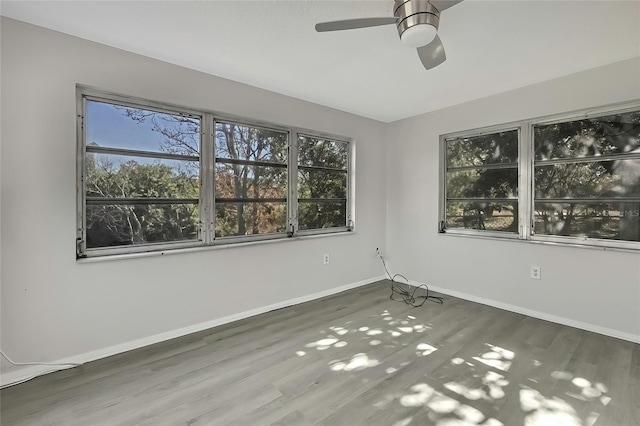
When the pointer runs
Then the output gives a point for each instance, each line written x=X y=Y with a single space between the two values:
x=326 y=343
x=492 y=381
x=424 y=349
x=470 y=414
x=496 y=382
x=588 y=390
x=550 y=417
x=544 y=411
x=592 y=418
x=423 y=395
x=357 y=362
x=470 y=394
x=580 y=382
x=330 y=341
x=496 y=357
x=340 y=331
x=443 y=404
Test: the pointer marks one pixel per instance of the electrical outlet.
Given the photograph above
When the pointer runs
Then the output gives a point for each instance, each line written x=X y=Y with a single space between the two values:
x=535 y=272
x=325 y=259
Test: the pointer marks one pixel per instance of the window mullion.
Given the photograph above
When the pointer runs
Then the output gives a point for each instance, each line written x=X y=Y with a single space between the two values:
x=207 y=177
x=525 y=184
x=292 y=204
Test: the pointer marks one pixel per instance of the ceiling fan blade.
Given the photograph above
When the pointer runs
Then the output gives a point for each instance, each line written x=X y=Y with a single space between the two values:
x=350 y=24
x=444 y=4
x=432 y=54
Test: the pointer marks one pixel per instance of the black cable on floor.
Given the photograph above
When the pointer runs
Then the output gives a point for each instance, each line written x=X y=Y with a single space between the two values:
x=406 y=296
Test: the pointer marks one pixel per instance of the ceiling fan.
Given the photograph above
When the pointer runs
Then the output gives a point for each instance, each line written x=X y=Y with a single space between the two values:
x=417 y=22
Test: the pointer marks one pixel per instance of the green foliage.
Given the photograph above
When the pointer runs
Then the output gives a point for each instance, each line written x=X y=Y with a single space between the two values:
x=121 y=224
x=317 y=184
x=496 y=149
x=615 y=134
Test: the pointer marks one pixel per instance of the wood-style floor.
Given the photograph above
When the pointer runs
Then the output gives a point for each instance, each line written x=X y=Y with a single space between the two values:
x=356 y=358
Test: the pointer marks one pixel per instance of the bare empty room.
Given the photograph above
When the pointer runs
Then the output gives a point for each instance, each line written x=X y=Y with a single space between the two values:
x=324 y=212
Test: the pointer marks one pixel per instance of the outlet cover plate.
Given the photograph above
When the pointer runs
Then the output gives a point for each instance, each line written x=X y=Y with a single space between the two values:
x=535 y=272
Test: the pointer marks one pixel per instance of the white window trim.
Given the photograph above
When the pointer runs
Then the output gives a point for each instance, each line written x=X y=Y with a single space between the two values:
x=206 y=231
x=526 y=183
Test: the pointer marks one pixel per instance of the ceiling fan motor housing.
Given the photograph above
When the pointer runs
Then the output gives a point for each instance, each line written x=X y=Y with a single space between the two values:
x=412 y=16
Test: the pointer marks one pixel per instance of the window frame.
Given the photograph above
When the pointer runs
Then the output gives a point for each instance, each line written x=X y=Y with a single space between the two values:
x=444 y=139
x=207 y=169
x=566 y=117
x=526 y=179
x=294 y=160
x=249 y=237
x=84 y=95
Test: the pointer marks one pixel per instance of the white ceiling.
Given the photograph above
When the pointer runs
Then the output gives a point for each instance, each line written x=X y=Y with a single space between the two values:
x=492 y=46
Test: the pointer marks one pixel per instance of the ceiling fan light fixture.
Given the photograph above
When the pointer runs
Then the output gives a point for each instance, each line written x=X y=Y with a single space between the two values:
x=417 y=22
x=419 y=35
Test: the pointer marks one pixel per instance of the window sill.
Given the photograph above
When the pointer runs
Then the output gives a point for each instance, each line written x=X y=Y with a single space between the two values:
x=513 y=238
x=167 y=252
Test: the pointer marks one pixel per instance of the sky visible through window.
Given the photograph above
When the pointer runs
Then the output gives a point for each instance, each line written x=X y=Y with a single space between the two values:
x=109 y=126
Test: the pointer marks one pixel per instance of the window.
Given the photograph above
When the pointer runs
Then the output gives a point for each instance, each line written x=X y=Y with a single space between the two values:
x=587 y=177
x=141 y=176
x=482 y=182
x=250 y=180
x=576 y=179
x=322 y=183
x=155 y=178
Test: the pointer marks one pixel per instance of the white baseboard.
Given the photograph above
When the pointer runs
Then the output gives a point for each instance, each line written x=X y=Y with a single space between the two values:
x=29 y=372
x=536 y=314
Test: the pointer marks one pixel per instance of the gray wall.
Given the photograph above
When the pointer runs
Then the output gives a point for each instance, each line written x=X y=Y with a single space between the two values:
x=590 y=288
x=54 y=307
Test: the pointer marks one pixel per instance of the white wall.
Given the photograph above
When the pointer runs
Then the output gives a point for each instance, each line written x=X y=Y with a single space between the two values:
x=54 y=307
x=592 y=288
